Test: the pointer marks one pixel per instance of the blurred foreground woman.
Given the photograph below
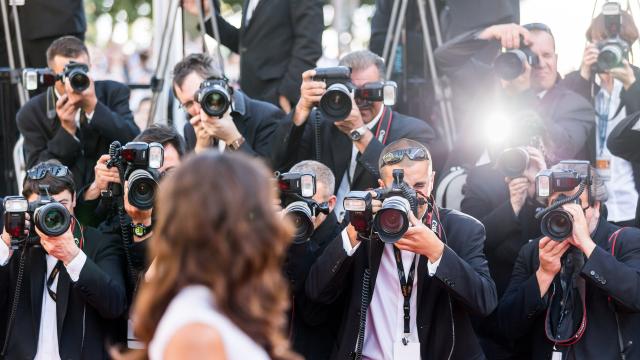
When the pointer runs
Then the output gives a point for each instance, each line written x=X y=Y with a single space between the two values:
x=217 y=290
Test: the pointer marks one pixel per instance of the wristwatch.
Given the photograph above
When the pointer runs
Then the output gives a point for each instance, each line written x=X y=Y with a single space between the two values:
x=235 y=145
x=141 y=230
x=358 y=133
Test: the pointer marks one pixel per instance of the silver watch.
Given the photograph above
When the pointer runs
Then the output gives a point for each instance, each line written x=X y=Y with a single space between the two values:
x=358 y=133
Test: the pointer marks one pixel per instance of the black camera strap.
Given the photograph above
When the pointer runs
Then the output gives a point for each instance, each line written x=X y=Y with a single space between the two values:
x=406 y=285
x=382 y=130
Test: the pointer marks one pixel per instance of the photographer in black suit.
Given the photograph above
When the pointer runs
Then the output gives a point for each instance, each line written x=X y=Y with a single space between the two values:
x=313 y=326
x=75 y=127
x=71 y=284
x=447 y=277
x=247 y=126
x=350 y=147
x=575 y=295
x=277 y=41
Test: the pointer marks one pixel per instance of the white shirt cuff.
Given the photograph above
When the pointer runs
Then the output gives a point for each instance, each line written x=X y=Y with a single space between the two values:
x=75 y=266
x=346 y=243
x=5 y=253
x=433 y=267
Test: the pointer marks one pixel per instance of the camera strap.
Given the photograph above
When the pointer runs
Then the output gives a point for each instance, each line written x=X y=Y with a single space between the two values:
x=382 y=130
x=406 y=285
x=602 y=113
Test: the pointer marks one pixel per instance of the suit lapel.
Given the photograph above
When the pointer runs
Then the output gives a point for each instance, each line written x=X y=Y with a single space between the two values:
x=253 y=15
x=37 y=273
x=340 y=147
x=62 y=297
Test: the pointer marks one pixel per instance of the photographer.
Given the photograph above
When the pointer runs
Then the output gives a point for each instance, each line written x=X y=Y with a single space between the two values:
x=349 y=147
x=612 y=87
x=447 y=275
x=573 y=292
x=504 y=201
x=75 y=121
x=565 y=117
x=247 y=125
x=69 y=284
x=313 y=326
x=624 y=141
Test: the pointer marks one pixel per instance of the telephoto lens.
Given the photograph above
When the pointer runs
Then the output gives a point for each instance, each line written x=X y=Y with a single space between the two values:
x=392 y=221
x=335 y=104
x=53 y=219
x=300 y=214
x=76 y=74
x=557 y=224
x=513 y=162
x=214 y=97
x=142 y=189
x=511 y=64
x=611 y=55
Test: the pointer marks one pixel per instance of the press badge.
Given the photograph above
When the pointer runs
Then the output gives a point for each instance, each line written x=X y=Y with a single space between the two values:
x=406 y=352
x=603 y=167
x=556 y=355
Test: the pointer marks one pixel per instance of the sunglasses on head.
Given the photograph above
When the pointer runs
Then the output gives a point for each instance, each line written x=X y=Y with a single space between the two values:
x=396 y=156
x=40 y=171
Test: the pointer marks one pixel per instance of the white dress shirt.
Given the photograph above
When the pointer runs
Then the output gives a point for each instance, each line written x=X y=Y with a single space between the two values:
x=385 y=315
x=618 y=178
x=48 y=334
x=345 y=186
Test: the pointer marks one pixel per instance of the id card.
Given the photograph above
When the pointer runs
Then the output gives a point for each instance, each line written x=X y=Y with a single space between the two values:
x=556 y=355
x=603 y=167
x=410 y=351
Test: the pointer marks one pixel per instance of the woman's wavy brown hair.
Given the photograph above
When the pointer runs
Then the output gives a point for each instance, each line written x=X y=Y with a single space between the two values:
x=217 y=227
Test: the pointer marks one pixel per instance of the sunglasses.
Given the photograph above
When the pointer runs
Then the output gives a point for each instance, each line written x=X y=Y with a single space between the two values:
x=40 y=171
x=396 y=156
x=538 y=27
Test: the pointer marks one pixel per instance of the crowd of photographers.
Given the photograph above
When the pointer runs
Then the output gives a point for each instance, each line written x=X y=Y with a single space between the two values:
x=542 y=260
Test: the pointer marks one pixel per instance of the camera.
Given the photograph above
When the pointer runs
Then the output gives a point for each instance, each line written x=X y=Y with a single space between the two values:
x=140 y=162
x=74 y=72
x=214 y=96
x=551 y=181
x=557 y=224
x=392 y=220
x=296 y=192
x=614 y=49
x=512 y=63
x=513 y=161
x=335 y=104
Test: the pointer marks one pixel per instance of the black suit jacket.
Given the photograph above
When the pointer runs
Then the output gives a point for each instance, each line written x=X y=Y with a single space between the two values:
x=256 y=120
x=297 y=143
x=522 y=309
x=82 y=307
x=461 y=286
x=282 y=40
x=314 y=326
x=45 y=139
x=62 y=17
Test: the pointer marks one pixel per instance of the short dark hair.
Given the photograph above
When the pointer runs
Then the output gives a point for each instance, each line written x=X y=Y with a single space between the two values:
x=362 y=59
x=164 y=135
x=67 y=46
x=202 y=64
x=401 y=144
x=57 y=184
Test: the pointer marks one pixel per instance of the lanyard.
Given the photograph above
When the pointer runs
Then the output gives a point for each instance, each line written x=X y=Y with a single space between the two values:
x=406 y=285
x=602 y=114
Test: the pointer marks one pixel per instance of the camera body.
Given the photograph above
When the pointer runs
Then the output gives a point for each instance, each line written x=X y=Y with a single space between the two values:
x=335 y=104
x=512 y=63
x=76 y=73
x=214 y=96
x=140 y=162
x=392 y=220
x=296 y=192
x=614 y=49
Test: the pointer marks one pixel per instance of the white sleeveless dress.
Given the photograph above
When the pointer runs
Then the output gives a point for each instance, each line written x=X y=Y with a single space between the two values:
x=195 y=304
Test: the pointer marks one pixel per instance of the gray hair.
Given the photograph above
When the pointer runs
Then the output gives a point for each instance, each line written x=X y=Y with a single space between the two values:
x=362 y=59
x=202 y=64
x=598 y=188
x=322 y=173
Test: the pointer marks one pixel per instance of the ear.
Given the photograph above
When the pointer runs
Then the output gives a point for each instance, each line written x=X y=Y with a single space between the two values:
x=332 y=202
x=381 y=183
x=432 y=178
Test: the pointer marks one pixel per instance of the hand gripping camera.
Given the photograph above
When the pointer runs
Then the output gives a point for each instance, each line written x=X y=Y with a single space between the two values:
x=556 y=222
x=296 y=192
x=140 y=163
x=390 y=222
x=512 y=63
x=48 y=215
x=74 y=72
x=335 y=104
x=614 y=49
x=214 y=96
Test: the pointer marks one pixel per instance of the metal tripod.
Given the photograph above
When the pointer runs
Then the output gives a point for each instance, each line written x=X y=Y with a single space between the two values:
x=441 y=86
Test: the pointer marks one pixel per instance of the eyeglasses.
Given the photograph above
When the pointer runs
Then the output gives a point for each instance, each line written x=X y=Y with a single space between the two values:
x=394 y=157
x=40 y=171
x=187 y=106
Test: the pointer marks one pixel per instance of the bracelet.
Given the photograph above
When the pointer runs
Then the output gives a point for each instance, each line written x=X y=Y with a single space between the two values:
x=235 y=145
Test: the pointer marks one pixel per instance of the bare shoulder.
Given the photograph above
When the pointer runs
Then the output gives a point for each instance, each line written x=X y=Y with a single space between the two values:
x=195 y=341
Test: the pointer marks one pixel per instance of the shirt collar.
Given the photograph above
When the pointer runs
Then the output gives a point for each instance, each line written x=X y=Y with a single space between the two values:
x=239 y=103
